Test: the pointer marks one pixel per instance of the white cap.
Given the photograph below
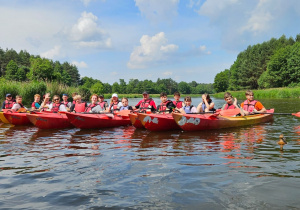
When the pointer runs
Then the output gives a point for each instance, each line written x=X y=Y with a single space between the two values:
x=114 y=95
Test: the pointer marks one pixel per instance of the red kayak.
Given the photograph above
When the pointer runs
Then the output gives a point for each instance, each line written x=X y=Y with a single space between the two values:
x=17 y=118
x=49 y=120
x=135 y=121
x=89 y=121
x=158 y=122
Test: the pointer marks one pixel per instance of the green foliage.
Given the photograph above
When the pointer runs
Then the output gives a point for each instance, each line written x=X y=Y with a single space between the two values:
x=184 y=88
x=221 y=81
x=41 y=69
x=11 y=71
x=97 y=88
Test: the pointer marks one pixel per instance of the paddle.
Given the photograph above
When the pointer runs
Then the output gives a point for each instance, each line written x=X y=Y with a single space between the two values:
x=296 y=114
x=22 y=110
x=230 y=112
x=277 y=113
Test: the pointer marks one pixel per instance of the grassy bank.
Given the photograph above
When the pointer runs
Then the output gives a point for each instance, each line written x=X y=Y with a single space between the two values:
x=267 y=93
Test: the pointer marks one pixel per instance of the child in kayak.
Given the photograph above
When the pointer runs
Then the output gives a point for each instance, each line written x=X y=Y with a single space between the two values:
x=179 y=104
x=188 y=108
x=166 y=106
x=231 y=103
x=206 y=105
x=36 y=104
x=18 y=105
x=251 y=106
x=125 y=105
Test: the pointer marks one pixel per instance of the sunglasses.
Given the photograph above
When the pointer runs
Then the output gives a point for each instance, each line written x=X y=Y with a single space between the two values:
x=56 y=99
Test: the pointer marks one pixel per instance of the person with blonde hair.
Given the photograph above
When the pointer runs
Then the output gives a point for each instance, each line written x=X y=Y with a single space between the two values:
x=79 y=105
x=36 y=103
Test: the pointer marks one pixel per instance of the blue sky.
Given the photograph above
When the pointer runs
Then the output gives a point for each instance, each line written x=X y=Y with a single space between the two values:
x=189 y=40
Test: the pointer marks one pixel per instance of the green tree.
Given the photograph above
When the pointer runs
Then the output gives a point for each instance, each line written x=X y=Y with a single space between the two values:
x=41 y=69
x=11 y=71
x=115 y=87
x=97 y=88
x=184 y=88
x=221 y=83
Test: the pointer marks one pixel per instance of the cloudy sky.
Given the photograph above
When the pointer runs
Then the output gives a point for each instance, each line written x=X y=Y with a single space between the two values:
x=184 y=40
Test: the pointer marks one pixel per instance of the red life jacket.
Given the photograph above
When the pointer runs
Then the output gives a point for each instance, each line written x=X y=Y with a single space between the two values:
x=178 y=104
x=9 y=104
x=90 y=107
x=102 y=104
x=145 y=104
x=79 y=107
x=114 y=106
x=231 y=106
x=163 y=106
x=55 y=107
x=249 y=106
x=65 y=103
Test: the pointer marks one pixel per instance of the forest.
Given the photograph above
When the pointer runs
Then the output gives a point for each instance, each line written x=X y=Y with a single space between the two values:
x=271 y=64
x=24 y=67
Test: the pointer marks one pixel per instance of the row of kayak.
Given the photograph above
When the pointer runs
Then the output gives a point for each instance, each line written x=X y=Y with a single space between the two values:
x=153 y=122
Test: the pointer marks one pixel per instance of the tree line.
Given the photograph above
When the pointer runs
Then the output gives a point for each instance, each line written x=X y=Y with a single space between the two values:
x=271 y=64
x=23 y=66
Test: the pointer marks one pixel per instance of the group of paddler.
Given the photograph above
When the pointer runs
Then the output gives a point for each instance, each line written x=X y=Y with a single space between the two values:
x=99 y=105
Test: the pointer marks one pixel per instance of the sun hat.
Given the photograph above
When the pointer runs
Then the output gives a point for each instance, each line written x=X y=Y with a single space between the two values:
x=65 y=94
x=114 y=95
x=145 y=93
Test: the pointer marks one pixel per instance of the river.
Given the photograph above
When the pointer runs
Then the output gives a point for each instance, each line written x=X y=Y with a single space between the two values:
x=125 y=168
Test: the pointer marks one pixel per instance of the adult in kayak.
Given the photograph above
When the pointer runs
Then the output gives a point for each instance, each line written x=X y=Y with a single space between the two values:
x=56 y=105
x=46 y=102
x=125 y=105
x=66 y=102
x=166 y=106
x=146 y=104
x=206 y=105
x=79 y=105
x=94 y=107
x=18 y=105
x=102 y=102
x=36 y=103
x=9 y=102
x=115 y=103
x=177 y=101
x=187 y=108
x=251 y=106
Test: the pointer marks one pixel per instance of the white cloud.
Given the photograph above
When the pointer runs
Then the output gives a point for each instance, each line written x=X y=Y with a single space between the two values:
x=81 y=64
x=51 y=54
x=158 y=10
x=87 y=33
x=153 y=50
x=168 y=73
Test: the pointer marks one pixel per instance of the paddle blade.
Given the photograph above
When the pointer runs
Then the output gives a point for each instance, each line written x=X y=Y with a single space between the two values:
x=296 y=114
x=22 y=110
x=124 y=113
x=230 y=112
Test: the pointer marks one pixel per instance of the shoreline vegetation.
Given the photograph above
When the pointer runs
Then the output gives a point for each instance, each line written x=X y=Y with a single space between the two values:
x=274 y=93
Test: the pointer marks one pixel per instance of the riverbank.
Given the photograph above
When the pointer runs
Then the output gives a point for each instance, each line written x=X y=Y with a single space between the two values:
x=265 y=93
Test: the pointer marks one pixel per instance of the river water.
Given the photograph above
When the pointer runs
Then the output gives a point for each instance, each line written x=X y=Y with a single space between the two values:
x=125 y=168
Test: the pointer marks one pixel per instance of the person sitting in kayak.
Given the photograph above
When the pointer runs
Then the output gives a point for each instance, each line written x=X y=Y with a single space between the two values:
x=188 y=108
x=66 y=102
x=231 y=103
x=9 y=102
x=166 y=106
x=146 y=104
x=206 y=105
x=94 y=107
x=56 y=105
x=179 y=104
x=251 y=106
x=125 y=105
x=73 y=95
x=18 y=105
x=36 y=103
x=115 y=103
x=102 y=102
x=46 y=102
x=79 y=105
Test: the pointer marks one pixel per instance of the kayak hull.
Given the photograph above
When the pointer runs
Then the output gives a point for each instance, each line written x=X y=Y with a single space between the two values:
x=135 y=120
x=158 y=122
x=198 y=122
x=2 y=117
x=96 y=121
x=16 y=118
x=49 y=120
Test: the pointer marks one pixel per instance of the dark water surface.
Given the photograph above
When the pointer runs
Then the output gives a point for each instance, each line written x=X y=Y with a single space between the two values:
x=124 y=168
